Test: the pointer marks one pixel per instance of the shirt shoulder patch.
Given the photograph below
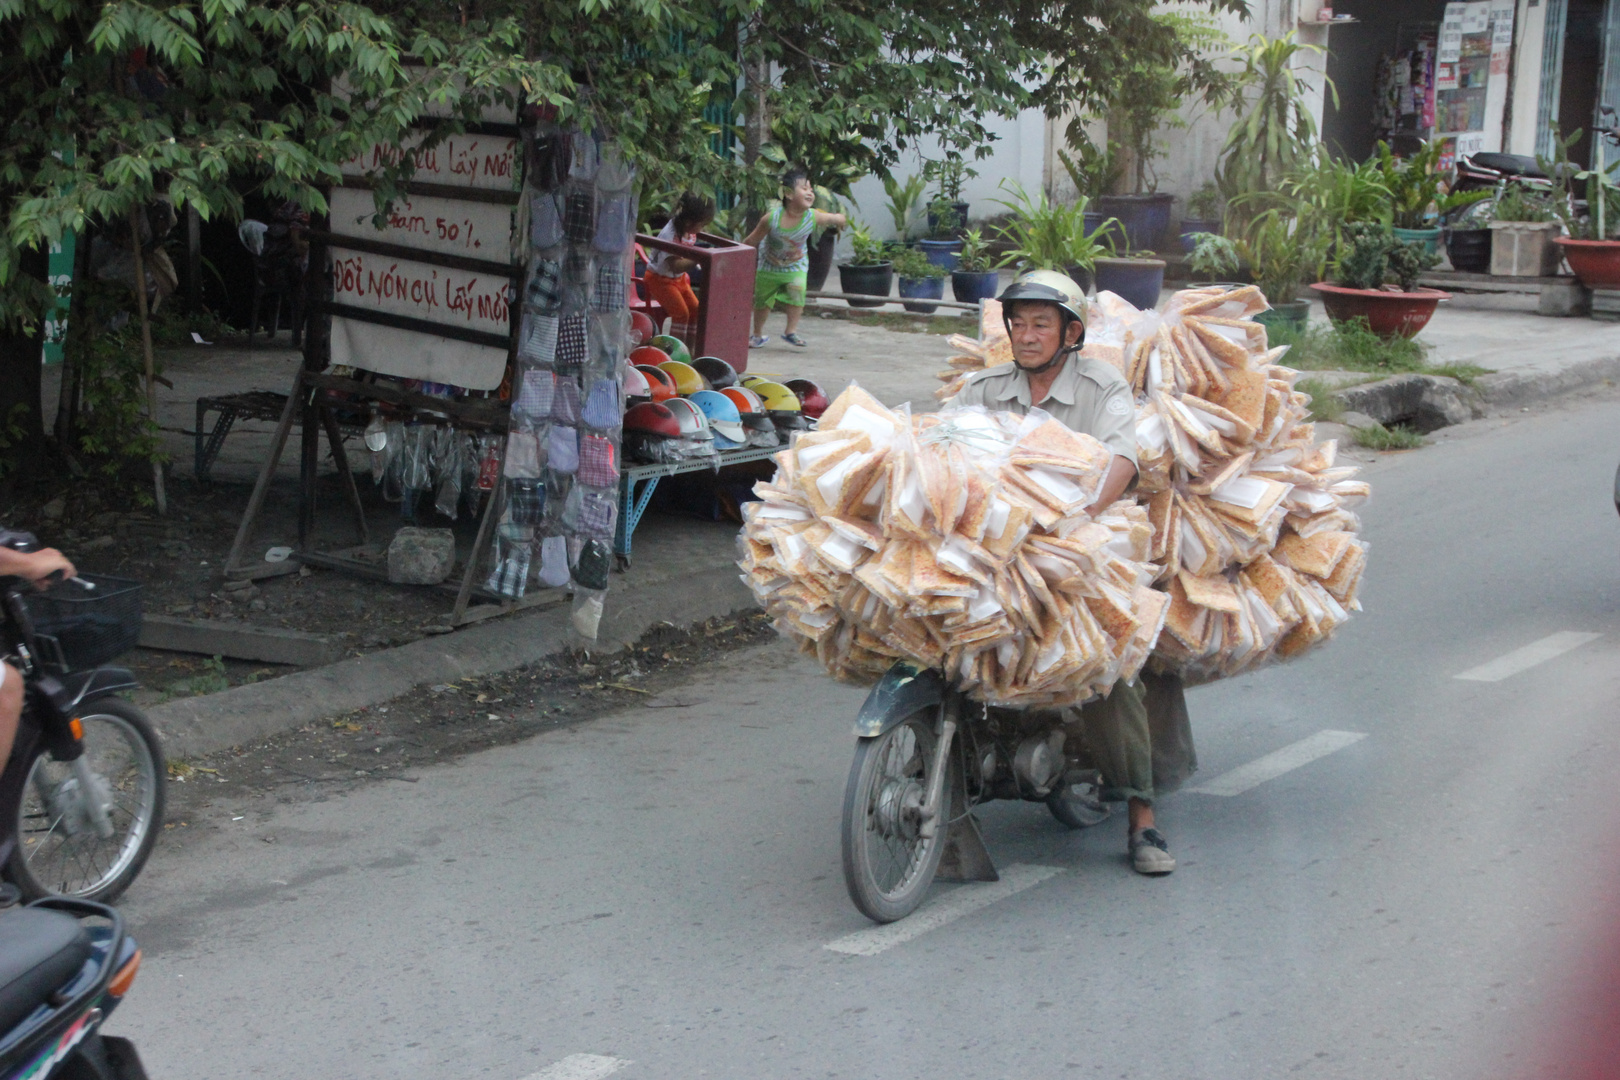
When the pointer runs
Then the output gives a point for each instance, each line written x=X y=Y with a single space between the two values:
x=1117 y=406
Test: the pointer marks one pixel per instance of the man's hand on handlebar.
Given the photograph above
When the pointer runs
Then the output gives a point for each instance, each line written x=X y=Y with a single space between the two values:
x=41 y=567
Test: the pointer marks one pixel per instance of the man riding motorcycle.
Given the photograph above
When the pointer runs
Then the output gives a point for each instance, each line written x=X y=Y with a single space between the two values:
x=1139 y=734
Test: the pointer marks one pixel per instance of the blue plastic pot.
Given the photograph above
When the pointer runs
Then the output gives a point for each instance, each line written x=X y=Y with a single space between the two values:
x=1191 y=227
x=1144 y=218
x=942 y=253
x=969 y=287
x=1138 y=281
x=923 y=289
x=1429 y=238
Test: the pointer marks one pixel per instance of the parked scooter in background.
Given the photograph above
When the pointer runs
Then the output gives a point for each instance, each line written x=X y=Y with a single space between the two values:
x=81 y=799
x=64 y=966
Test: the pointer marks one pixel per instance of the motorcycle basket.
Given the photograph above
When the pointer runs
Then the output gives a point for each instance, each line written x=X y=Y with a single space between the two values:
x=88 y=626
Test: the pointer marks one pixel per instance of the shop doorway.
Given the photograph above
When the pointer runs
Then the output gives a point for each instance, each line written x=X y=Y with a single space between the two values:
x=1582 y=74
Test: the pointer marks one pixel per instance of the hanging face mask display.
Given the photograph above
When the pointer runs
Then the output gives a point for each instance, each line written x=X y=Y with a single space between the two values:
x=563 y=448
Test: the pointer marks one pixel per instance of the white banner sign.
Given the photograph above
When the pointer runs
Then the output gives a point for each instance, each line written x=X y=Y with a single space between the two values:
x=407 y=354
x=437 y=294
x=488 y=162
x=449 y=226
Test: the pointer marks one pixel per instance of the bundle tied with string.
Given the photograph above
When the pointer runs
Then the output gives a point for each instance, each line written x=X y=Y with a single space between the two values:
x=960 y=541
x=1255 y=539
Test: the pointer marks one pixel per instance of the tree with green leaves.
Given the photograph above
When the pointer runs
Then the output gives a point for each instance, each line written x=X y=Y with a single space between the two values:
x=110 y=106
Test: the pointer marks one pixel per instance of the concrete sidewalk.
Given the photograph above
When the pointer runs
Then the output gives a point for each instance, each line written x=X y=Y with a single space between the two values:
x=683 y=570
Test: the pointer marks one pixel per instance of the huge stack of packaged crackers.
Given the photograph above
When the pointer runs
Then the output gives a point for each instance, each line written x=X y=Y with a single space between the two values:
x=960 y=540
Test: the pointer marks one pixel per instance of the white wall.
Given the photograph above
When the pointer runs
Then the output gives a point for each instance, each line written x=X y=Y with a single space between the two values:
x=1524 y=103
x=1017 y=153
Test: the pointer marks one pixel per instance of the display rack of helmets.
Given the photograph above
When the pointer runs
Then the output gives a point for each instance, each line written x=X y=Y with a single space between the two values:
x=698 y=416
x=486 y=388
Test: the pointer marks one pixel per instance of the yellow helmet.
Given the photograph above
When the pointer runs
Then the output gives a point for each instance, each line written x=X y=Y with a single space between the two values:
x=775 y=397
x=684 y=376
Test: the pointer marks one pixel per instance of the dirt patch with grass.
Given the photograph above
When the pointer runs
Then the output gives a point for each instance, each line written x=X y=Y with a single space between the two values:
x=1351 y=346
x=179 y=560
x=387 y=743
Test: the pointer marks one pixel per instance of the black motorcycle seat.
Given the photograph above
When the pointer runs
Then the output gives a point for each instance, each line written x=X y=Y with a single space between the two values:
x=40 y=952
x=1508 y=164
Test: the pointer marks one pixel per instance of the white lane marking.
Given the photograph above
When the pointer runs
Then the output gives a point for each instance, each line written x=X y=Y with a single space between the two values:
x=1537 y=652
x=580 y=1067
x=1273 y=765
x=943 y=910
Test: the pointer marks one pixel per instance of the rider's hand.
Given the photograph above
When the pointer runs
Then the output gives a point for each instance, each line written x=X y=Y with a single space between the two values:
x=39 y=565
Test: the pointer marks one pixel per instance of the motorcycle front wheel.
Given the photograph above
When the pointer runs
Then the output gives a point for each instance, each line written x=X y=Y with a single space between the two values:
x=888 y=864
x=59 y=848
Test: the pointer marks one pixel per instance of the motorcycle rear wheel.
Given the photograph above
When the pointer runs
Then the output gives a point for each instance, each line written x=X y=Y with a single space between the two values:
x=58 y=850
x=888 y=867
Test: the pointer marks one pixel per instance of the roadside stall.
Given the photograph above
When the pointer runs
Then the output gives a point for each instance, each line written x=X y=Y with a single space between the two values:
x=476 y=335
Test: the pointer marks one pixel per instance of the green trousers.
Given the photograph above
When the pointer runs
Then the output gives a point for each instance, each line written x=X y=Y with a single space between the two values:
x=1140 y=736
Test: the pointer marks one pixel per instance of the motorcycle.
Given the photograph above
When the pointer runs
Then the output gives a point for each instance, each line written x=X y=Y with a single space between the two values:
x=81 y=798
x=926 y=756
x=64 y=966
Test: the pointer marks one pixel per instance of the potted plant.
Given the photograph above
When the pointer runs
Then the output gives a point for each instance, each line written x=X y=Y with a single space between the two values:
x=1523 y=224
x=1417 y=202
x=1043 y=235
x=1280 y=250
x=1093 y=170
x=1214 y=260
x=919 y=279
x=974 y=278
x=1593 y=244
x=944 y=239
x=1149 y=93
x=947 y=175
x=825 y=241
x=1369 y=257
x=904 y=196
x=869 y=271
x=1203 y=215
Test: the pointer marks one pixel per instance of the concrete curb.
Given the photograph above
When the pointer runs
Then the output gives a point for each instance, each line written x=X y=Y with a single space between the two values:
x=1430 y=402
x=204 y=725
x=1505 y=389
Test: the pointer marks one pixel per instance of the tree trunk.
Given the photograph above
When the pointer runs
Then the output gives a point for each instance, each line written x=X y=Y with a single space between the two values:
x=24 y=453
x=756 y=86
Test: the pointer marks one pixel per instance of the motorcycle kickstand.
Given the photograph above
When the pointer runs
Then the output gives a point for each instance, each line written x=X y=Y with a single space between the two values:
x=965 y=857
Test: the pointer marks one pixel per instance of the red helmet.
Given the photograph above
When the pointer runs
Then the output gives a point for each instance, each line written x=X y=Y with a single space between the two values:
x=813 y=400
x=641 y=328
x=652 y=417
x=649 y=355
x=659 y=385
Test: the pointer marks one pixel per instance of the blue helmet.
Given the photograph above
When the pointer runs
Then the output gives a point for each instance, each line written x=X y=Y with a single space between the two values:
x=724 y=419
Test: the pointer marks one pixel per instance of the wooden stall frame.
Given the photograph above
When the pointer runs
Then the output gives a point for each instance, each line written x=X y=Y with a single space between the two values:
x=311 y=380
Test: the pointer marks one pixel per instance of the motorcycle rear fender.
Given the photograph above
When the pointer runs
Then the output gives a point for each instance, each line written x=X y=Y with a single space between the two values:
x=903 y=689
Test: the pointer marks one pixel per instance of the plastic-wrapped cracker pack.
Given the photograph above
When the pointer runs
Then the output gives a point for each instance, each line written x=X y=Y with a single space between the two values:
x=956 y=540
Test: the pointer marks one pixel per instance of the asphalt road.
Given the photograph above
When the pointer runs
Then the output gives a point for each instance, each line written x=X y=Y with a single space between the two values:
x=651 y=894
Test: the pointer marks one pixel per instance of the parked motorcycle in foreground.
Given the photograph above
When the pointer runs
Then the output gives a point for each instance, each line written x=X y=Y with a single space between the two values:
x=81 y=799
x=927 y=755
x=64 y=966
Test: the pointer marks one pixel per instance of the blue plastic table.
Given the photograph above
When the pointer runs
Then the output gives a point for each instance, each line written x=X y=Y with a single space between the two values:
x=633 y=502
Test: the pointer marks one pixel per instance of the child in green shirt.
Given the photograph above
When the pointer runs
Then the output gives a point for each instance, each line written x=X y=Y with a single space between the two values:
x=783 y=237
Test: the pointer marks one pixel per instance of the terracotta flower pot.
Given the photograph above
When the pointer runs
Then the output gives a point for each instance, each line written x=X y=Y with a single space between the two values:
x=1389 y=314
x=1595 y=262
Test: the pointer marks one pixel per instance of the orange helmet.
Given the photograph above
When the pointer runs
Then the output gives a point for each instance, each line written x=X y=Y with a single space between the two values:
x=745 y=399
x=659 y=384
